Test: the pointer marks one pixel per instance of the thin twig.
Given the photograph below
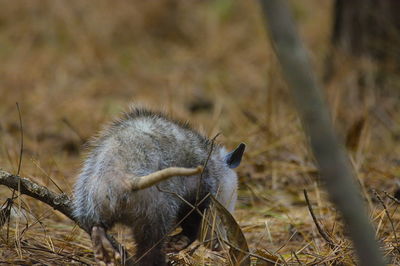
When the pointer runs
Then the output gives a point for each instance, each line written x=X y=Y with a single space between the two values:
x=389 y=218
x=287 y=241
x=48 y=176
x=283 y=259
x=250 y=253
x=182 y=199
x=297 y=258
x=204 y=167
x=319 y=228
x=71 y=257
x=73 y=129
x=391 y=197
x=11 y=202
x=21 y=139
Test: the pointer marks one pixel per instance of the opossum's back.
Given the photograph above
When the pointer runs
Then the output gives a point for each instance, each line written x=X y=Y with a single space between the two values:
x=154 y=143
x=134 y=147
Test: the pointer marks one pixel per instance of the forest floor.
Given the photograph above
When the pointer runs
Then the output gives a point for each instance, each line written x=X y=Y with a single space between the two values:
x=72 y=67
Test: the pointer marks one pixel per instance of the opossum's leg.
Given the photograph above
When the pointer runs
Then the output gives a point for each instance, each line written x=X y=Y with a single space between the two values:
x=104 y=253
x=149 y=247
x=190 y=231
x=177 y=243
x=191 y=226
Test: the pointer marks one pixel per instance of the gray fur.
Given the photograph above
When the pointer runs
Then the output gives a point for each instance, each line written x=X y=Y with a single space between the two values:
x=143 y=142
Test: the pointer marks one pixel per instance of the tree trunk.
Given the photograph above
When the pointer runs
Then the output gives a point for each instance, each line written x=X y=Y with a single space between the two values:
x=368 y=28
x=368 y=32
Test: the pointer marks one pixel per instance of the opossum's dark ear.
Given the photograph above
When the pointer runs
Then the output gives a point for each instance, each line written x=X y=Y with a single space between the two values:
x=234 y=158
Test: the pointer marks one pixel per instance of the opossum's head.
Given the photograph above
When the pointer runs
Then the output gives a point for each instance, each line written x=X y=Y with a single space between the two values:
x=227 y=192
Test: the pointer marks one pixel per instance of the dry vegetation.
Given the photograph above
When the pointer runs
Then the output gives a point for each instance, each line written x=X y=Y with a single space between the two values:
x=74 y=65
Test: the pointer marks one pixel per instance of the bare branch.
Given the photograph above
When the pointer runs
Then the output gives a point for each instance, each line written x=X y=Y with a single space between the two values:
x=142 y=182
x=59 y=202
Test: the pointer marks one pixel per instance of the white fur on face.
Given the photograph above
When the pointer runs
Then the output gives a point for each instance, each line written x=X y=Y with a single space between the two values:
x=227 y=192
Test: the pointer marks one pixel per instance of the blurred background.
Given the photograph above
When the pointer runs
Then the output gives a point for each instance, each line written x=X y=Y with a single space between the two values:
x=73 y=66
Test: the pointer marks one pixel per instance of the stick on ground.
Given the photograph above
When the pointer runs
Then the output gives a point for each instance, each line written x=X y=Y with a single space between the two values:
x=59 y=202
x=319 y=228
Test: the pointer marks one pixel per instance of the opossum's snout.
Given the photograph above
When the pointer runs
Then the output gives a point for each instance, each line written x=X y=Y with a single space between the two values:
x=234 y=158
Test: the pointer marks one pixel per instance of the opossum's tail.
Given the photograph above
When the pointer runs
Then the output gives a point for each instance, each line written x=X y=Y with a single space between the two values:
x=137 y=183
x=99 y=198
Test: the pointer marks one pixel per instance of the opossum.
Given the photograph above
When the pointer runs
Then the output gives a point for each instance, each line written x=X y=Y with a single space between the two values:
x=140 y=144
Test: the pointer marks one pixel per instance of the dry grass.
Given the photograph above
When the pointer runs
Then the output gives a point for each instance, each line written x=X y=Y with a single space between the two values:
x=74 y=65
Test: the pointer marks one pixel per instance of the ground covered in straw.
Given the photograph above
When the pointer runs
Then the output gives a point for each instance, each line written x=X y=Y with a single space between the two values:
x=73 y=66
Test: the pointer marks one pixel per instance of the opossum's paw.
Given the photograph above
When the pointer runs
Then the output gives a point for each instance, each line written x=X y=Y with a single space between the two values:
x=215 y=246
x=176 y=243
x=104 y=253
